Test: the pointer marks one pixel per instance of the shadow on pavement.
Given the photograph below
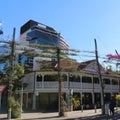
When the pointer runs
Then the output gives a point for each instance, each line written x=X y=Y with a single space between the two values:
x=98 y=117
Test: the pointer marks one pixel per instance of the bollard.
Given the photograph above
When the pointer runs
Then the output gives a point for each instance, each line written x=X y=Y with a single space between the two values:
x=95 y=108
x=9 y=114
x=81 y=108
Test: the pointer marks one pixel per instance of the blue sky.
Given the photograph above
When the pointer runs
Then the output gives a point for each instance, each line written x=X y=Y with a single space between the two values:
x=78 y=21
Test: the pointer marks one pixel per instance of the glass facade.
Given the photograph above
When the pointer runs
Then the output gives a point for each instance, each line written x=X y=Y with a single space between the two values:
x=39 y=37
x=37 y=33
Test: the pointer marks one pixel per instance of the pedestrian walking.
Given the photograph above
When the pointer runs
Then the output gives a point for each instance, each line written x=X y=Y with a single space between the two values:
x=112 y=105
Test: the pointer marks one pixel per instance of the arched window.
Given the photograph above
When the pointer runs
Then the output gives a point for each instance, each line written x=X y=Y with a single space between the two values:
x=39 y=78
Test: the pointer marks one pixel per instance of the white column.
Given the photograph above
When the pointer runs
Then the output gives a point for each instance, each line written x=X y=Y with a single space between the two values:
x=81 y=97
x=81 y=93
x=111 y=86
x=43 y=81
x=118 y=85
x=81 y=83
x=93 y=95
x=34 y=101
x=68 y=82
x=27 y=100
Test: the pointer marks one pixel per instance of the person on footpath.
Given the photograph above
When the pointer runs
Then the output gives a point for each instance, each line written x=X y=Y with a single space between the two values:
x=112 y=105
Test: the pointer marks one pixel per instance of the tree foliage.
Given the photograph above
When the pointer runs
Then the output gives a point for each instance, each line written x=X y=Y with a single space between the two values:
x=12 y=73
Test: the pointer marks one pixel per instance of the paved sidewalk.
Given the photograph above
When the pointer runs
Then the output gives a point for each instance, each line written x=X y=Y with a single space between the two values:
x=54 y=115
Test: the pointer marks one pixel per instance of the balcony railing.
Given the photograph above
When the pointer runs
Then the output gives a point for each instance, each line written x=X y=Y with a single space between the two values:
x=74 y=85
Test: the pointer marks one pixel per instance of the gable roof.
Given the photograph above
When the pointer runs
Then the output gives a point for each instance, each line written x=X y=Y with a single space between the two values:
x=83 y=65
x=90 y=66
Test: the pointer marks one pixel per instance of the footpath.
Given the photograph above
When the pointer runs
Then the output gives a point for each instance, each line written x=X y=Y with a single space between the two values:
x=73 y=115
x=54 y=115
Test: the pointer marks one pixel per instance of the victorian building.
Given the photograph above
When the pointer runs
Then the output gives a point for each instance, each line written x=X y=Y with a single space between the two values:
x=43 y=86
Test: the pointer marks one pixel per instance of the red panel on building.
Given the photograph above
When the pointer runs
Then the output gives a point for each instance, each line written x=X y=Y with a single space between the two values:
x=2 y=88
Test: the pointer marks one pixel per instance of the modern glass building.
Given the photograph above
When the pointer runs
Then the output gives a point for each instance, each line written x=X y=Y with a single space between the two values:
x=33 y=32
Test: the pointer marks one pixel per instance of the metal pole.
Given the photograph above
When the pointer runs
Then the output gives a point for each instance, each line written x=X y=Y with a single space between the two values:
x=69 y=101
x=34 y=92
x=59 y=80
x=101 y=80
x=21 y=98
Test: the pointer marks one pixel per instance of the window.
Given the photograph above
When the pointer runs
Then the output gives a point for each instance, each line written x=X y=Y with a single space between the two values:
x=64 y=77
x=96 y=80
x=114 y=82
x=50 y=77
x=74 y=78
x=86 y=79
x=106 y=80
x=39 y=78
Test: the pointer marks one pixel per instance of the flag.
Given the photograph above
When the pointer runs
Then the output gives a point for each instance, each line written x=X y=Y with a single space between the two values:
x=56 y=65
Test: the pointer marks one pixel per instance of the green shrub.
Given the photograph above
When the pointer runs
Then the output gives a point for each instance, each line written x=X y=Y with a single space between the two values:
x=76 y=102
x=117 y=97
x=15 y=107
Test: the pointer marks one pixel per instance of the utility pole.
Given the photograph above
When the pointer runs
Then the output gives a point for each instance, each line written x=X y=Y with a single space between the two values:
x=60 y=100
x=60 y=105
x=12 y=69
x=101 y=80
